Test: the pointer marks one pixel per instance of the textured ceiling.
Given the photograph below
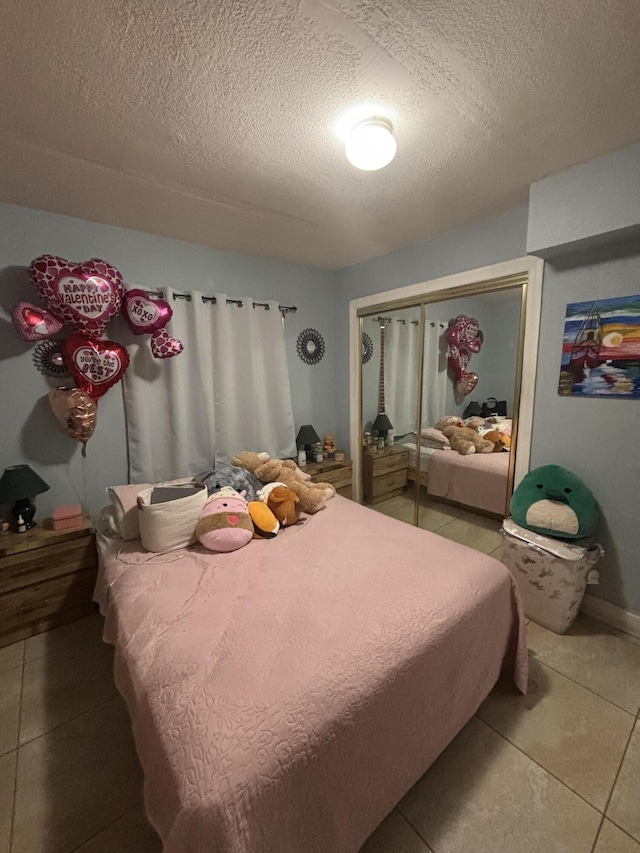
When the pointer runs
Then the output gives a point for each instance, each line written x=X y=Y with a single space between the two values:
x=214 y=120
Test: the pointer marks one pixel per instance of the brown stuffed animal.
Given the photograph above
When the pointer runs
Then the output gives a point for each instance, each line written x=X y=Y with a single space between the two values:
x=499 y=440
x=282 y=502
x=463 y=439
x=313 y=496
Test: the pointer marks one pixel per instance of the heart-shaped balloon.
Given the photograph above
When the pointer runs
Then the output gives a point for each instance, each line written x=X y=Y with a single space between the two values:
x=143 y=314
x=458 y=360
x=85 y=295
x=164 y=346
x=33 y=323
x=95 y=365
x=466 y=384
x=76 y=413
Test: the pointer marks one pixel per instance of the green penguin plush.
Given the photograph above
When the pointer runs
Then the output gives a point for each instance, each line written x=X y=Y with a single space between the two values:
x=553 y=501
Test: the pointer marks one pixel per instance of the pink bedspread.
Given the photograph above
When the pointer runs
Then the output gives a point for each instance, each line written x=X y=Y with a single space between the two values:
x=478 y=480
x=285 y=696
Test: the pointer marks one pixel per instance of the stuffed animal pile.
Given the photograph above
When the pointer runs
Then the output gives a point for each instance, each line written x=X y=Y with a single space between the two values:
x=255 y=497
x=463 y=438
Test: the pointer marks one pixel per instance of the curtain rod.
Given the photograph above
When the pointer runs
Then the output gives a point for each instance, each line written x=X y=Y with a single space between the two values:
x=404 y=322
x=285 y=309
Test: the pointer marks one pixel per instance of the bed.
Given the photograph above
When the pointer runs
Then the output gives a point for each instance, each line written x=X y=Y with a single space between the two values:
x=479 y=480
x=285 y=696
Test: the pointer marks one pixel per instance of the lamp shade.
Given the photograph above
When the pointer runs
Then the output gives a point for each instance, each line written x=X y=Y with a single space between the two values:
x=307 y=435
x=18 y=482
x=382 y=423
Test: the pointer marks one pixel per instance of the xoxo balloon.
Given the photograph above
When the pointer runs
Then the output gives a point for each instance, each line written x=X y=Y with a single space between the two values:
x=85 y=295
x=76 y=413
x=164 y=346
x=33 y=323
x=145 y=315
x=95 y=365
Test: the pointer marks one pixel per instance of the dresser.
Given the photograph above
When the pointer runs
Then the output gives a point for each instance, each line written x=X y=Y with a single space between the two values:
x=337 y=474
x=46 y=579
x=384 y=473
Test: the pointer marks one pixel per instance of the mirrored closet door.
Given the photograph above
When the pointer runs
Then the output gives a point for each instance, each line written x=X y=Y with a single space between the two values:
x=456 y=356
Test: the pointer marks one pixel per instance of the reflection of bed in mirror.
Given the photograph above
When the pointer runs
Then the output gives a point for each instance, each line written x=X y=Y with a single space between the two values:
x=479 y=480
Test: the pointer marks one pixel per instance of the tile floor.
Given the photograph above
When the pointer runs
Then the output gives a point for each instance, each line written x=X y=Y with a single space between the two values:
x=557 y=771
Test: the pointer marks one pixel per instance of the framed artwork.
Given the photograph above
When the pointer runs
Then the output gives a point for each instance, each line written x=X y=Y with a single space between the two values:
x=601 y=349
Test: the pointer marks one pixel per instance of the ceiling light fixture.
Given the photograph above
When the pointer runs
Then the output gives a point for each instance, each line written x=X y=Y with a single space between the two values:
x=371 y=144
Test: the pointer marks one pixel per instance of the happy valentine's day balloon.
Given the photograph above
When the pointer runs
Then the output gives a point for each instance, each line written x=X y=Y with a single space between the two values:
x=145 y=315
x=164 y=346
x=85 y=295
x=76 y=413
x=33 y=323
x=94 y=365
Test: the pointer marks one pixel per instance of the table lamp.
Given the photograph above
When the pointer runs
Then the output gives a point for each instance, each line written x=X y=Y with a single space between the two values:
x=306 y=437
x=19 y=484
x=382 y=425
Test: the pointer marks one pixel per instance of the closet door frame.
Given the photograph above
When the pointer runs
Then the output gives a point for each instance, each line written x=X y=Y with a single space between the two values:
x=527 y=271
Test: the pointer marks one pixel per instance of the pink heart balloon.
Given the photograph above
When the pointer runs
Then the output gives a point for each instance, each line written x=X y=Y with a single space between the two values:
x=85 y=295
x=95 y=365
x=33 y=323
x=145 y=315
x=164 y=346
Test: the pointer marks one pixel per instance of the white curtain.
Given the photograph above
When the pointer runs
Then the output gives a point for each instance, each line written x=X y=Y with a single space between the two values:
x=401 y=362
x=434 y=387
x=402 y=355
x=227 y=391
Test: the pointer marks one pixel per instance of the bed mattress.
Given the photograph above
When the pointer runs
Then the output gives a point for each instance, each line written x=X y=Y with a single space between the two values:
x=285 y=696
x=479 y=480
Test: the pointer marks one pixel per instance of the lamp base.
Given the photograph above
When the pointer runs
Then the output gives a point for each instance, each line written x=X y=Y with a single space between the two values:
x=26 y=508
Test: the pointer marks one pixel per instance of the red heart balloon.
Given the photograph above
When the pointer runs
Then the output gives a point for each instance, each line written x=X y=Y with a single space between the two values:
x=145 y=315
x=85 y=295
x=33 y=323
x=458 y=360
x=95 y=365
x=164 y=346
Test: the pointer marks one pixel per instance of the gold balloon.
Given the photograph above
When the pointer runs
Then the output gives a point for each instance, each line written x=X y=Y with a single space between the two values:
x=76 y=413
x=467 y=383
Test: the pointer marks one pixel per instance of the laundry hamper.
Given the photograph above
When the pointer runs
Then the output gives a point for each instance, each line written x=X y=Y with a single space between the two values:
x=551 y=575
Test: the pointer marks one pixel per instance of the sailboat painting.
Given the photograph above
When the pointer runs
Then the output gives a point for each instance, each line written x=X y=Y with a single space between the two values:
x=601 y=349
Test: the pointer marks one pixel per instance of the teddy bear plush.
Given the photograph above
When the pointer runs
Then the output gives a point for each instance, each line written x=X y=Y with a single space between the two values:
x=499 y=440
x=312 y=496
x=461 y=438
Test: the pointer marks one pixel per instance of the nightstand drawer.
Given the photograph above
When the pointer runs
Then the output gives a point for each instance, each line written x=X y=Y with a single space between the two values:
x=386 y=464
x=339 y=478
x=22 y=609
x=41 y=564
x=388 y=483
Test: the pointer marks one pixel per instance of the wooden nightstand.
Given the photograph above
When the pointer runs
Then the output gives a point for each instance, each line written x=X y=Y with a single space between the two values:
x=338 y=474
x=385 y=473
x=46 y=579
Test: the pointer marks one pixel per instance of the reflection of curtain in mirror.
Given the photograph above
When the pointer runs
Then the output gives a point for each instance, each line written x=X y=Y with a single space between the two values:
x=434 y=389
x=402 y=352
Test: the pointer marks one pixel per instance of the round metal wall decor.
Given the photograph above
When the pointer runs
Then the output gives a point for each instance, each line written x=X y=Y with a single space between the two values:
x=367 y=347
x=47 y=357
x=310 y=346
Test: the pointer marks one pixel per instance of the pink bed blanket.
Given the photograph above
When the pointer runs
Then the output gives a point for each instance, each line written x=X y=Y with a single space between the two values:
x=285 y=696
x=478 y=480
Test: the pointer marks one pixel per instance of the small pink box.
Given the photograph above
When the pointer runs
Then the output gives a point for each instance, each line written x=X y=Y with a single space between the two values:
x=66 y=517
